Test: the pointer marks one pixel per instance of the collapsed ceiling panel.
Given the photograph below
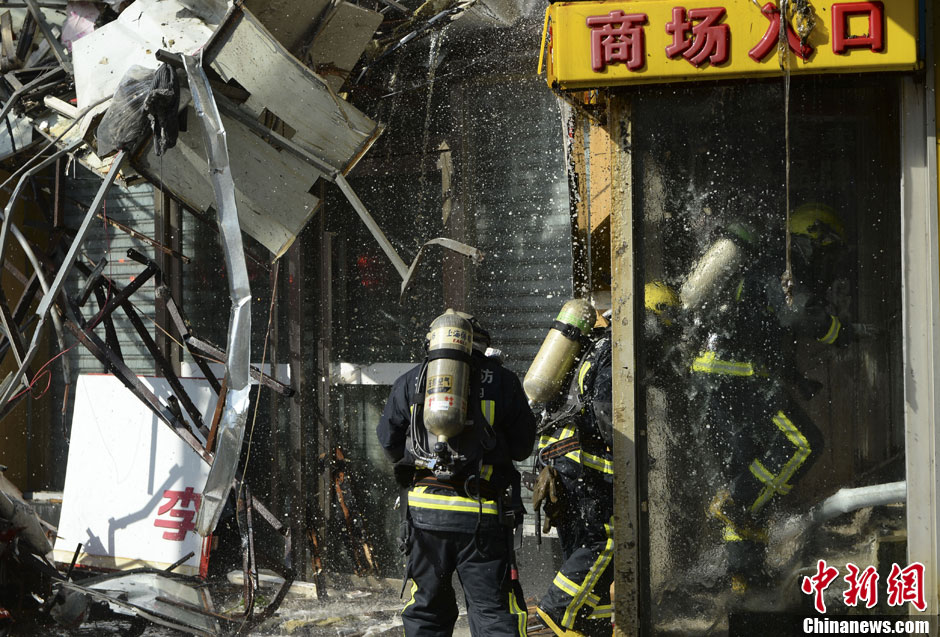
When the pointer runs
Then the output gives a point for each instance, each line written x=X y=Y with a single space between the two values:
x=243 y=51
x=338 y=45
x=271 y=186
x=288 y=20
x=102 y=57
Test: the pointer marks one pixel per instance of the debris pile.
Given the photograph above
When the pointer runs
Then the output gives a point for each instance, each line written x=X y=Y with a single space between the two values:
x=235 y=111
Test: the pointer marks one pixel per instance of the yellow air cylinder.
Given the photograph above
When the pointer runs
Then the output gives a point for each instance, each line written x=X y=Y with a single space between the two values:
x=448 y=375
x=559 y=350
x=710 y=275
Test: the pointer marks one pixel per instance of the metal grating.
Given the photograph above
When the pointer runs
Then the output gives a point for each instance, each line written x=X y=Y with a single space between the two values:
x=133 y=208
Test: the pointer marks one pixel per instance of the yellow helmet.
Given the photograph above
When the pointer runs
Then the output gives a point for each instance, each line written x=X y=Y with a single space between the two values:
x=481 y=337
x=658 y=296
x=817 y=221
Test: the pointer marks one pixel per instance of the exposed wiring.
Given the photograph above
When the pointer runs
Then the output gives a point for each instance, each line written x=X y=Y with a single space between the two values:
x=42 y=370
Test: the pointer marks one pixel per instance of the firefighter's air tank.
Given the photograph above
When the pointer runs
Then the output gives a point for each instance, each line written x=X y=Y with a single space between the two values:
x=450 y=343
x=559 y=350
x=710 y=275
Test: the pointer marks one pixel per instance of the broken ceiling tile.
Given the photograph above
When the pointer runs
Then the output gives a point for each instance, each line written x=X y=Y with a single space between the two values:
x=102 y=57
x=290 y=21
x=271 y=187
x=339 y=44
x=162 y=599
x=244 y=51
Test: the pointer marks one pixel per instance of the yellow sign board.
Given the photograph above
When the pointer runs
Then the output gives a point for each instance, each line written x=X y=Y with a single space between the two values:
x=593 y=44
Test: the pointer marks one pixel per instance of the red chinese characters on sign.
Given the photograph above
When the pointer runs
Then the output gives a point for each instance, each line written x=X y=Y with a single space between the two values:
x=709 y=39
x=816 y=584
x=907 y=585
x=841 y=40
x=700 y=35
x=863 y=586
x=617 y=37
x=181 y=506
x=769 y=42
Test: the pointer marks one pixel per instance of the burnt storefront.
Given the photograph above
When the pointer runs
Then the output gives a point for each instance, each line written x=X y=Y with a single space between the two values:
x=772 y=219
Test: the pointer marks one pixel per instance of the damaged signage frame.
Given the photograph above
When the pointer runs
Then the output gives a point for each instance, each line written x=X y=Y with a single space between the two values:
x=232 y=426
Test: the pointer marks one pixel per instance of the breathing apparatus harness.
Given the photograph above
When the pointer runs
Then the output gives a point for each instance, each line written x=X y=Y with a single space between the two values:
x=565 y=408
x=457 y=468
x=444 y=461
x=574 y=401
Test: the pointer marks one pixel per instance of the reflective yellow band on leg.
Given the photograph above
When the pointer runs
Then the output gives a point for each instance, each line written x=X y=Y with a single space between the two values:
x=709 y=363
x=414 y=589
x=780 y=483
x=522 y=617
x=590 y=580
x=834 y=327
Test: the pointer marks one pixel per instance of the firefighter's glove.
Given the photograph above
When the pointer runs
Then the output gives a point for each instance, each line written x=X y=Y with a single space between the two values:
x=550 y=490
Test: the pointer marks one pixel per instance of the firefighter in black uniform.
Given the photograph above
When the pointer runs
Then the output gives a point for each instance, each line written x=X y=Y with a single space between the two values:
x=462 y=520
x=576 y=485
x=743 y=374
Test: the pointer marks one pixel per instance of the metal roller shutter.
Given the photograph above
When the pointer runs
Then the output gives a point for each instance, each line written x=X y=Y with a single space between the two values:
x=132 y=207
x=520 y=212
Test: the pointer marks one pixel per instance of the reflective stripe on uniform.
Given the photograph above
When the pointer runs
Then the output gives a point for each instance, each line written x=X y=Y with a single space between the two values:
x=566 y=585
x=602 y=612
x=414 y=589
x=733 y=532
x=597 y=463
x=566 y=432
x=582 y=373
x=590 y=580
x=780 y=483
x=546 y=439
x=594 y=462
x=522 y=616
x=419 y=498
x=488 y=407
x=834 y=327
x=709 y=363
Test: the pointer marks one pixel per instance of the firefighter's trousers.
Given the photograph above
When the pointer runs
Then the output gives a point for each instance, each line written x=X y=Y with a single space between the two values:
x=483 y=566
x=579 y=596
x=764 y=443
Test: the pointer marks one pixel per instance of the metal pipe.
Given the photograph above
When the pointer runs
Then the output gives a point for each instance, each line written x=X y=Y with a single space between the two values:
x=57 y=49
x=56 y=321
x=373 y=227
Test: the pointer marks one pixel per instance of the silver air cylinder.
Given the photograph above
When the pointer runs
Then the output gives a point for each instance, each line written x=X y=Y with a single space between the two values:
x=448 y=375
x=559 y=350
x=711 y=274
